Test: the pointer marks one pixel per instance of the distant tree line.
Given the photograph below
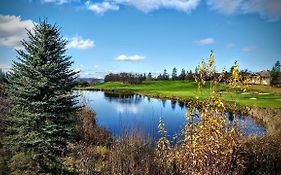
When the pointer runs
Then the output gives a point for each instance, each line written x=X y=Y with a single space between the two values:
x=187 y=75
x=184 y=75
x=132 y=78
x=138 y=78
x=125 y=78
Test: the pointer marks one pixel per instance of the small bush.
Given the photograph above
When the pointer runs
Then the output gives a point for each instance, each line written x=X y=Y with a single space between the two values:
x=89 y=131
x=131 y=154
x=262 y=155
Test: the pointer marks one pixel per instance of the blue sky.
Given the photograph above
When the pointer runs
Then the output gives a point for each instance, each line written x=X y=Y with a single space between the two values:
x=149 y=35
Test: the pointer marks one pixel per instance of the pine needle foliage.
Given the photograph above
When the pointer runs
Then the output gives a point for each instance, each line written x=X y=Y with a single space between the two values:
x=43 y=113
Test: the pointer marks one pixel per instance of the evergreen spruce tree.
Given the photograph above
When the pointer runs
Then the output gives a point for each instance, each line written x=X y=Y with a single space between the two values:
x=189 y=75
x=182 y=75
x=174 y=74
x=165 y=75
x=4 y=123
x=276 y=74
x=43 y=112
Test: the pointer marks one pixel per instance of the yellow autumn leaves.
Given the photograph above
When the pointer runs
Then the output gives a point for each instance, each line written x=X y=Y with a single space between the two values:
x=209 y=142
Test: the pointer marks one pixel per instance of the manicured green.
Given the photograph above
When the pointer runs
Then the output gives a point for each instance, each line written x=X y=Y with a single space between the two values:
x=259 y=96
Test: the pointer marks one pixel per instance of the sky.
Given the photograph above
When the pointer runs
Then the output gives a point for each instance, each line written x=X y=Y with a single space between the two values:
x=142 y=36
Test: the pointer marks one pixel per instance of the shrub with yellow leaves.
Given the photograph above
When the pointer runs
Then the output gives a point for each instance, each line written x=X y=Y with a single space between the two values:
x=209 y=144
x=235 y=79
x=163 y=155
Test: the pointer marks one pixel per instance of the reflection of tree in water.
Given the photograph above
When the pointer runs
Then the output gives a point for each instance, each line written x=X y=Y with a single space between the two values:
x=181 y=104
x=230 y=116
x=123 y=98
x=164 y=103
x=173 y=104
x=135 y=98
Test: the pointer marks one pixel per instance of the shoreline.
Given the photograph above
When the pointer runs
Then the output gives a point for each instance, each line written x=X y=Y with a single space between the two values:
x=269 y=118
x=256 y=96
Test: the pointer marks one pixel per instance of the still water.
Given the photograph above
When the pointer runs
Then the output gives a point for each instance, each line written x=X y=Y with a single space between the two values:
x=120 y=113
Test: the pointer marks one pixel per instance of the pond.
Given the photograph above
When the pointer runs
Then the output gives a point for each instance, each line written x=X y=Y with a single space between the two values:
x=124 y=113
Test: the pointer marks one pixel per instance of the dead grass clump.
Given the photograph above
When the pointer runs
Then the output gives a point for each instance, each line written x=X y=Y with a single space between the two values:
x=89 y=131
x=90 y=152
x=262 y=155
x=131 y=154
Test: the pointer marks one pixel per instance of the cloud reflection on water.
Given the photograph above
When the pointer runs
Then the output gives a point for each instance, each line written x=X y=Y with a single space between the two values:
x=128 y=108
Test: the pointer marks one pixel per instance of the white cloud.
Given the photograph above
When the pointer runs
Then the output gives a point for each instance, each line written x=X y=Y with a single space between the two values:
x=134 y=58
x=227 y=7
x=205 y=41
x=151 y=5
x=230 y=45
x=79 y=43
x=269 y=9
x=12 y=30
x=59 y=2
x=102 y=7
x=143 y=5
x=249 y=49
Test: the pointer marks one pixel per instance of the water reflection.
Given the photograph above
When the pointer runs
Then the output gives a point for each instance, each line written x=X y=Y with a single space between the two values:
x=164 y=103
x=181 y=104
x=230 y=117
x=119 y=111
x=128 y=108
x=122 y=98
x=173 y=104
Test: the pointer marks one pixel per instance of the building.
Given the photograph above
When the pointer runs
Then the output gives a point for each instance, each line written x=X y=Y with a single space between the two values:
x=262 y=77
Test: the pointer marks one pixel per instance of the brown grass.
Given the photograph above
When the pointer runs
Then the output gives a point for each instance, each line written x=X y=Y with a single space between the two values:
x=131 y=154
x=262 y=155
x=98 y=153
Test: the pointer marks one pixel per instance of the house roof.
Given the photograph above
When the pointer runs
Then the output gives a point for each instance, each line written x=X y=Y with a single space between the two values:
x=264 y=74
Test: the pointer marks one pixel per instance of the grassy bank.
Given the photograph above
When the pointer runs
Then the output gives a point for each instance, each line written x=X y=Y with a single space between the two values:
x=257 y=96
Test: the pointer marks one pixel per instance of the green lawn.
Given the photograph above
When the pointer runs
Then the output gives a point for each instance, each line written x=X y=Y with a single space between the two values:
x=259 y=96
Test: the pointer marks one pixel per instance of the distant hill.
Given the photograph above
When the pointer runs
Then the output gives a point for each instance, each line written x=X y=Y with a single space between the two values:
x=90 y=80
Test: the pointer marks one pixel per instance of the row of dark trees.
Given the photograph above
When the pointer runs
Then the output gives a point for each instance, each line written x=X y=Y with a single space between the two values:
x=125 y=78
x=184 y=75
x=138 y=78
x=189 y=75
